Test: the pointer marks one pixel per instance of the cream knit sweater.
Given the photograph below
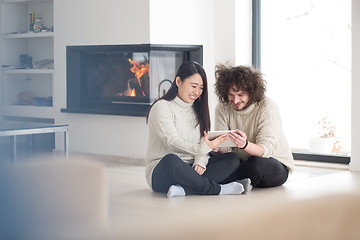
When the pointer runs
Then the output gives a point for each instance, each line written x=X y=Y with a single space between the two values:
x=261 y=123
x=173 y=129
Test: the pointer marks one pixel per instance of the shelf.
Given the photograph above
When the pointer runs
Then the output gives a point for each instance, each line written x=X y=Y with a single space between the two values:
x=28 y=111
x=28 y=35
x=28 y=71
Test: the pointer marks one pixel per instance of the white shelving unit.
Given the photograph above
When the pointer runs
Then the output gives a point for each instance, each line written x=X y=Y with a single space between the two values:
x=29 y=35
x=28 y=71
x=26 y=92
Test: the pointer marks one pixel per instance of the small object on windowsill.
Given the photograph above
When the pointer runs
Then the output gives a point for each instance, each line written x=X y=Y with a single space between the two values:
x=326 y=142
x=322 y=145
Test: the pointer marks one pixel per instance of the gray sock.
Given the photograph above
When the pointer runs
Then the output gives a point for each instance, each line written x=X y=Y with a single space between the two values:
x=232 y=188
x=246 y=182
x=176 y=191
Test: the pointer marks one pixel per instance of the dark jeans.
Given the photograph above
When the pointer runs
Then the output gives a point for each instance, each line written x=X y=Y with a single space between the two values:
x=263 y=172
x=171 y=170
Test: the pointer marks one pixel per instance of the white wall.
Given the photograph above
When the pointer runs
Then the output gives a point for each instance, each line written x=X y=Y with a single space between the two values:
x=225 y=32
x=224 y=43
x=243 y=28
x=355 y=107
x=84 y=22
x=186 y=22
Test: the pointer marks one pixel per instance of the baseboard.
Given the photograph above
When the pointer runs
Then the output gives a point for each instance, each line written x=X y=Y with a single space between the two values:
x=338 y=166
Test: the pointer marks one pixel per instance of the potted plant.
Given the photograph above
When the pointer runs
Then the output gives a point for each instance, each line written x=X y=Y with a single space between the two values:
x=326 y=142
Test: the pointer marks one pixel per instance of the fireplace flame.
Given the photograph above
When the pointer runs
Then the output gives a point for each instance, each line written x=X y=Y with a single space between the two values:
x=132 y=93
x=139 y=70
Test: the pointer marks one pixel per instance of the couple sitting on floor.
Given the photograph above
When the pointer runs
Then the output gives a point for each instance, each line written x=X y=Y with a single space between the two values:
x=182 y=160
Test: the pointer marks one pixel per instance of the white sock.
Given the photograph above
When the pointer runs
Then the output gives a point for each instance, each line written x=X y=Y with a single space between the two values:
x=246 y=182
x=176 y=191
x=231 y=188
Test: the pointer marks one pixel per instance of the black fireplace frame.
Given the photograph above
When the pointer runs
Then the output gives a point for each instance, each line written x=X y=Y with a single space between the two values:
x=75 y=100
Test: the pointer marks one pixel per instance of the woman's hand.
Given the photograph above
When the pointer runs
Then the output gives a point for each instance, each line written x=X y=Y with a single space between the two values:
x=220 y=150
x=217 y=149
x=239 y=138
x=199 y=169
x=215 y=142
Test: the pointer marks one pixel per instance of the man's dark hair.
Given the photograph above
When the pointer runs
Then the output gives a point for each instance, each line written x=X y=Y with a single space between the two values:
x=239 y=78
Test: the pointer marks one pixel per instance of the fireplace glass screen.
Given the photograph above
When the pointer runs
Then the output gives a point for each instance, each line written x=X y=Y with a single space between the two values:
x=122 y=76
x=122 y=79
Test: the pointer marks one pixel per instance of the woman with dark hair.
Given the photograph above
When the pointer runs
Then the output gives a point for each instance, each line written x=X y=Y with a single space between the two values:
x=261 y=146
x=177 y=160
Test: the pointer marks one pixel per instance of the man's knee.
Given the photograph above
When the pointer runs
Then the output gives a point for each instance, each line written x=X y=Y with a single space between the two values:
x=267 y=172
x=253 y=165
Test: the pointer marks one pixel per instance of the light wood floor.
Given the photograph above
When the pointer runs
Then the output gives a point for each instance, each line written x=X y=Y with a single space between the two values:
x=130 y=196
x=132 y=203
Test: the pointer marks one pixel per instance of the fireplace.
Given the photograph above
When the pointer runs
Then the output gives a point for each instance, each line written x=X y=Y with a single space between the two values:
x=122 y=79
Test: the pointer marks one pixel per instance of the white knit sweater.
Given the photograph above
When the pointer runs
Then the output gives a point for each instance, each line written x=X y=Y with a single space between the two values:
x=173 y=129
x=261 y=122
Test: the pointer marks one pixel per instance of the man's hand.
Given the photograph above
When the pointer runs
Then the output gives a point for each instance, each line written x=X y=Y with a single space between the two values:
x=239 y=138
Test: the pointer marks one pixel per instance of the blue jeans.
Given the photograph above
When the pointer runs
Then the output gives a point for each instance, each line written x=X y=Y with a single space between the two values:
x=172 y=170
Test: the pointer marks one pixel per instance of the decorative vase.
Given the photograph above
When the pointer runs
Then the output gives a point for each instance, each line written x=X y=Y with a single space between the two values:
x=321 y=145
x=38 y=25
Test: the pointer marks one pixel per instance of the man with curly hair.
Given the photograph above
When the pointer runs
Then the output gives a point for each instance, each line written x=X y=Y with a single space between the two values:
x=261 y=145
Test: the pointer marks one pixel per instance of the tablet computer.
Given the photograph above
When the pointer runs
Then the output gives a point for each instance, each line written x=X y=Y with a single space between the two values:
x=228 y=142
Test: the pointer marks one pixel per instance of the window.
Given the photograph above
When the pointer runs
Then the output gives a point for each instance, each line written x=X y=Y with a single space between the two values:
x=306 y=61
